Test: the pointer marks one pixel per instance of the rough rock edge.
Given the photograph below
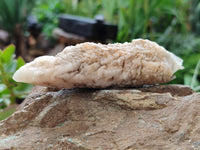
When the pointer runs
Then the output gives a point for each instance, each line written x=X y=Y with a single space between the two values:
x=178 y=120
x=153 y=97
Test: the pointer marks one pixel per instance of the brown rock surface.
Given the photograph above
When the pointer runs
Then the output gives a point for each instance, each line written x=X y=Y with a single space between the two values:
x=158 y=117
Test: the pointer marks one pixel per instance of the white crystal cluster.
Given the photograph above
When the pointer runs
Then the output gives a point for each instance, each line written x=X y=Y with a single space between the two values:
x=91 y=65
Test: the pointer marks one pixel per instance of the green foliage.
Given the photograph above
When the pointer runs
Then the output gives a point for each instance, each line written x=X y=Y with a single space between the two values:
x=87 y=8
x=14 y=13
x=193 y=81
x=9 y=89
x=195 y=16
x=182 y=44
x=47 y=12
x=148 y=19
x=7 y=112
x=134 y=18
x=188 y=74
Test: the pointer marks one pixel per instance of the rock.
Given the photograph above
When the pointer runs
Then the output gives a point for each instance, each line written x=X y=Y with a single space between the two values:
x=86 y=119
x=91 y=65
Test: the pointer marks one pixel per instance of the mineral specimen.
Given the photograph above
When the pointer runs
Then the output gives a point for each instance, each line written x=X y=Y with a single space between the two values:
x=91 y=65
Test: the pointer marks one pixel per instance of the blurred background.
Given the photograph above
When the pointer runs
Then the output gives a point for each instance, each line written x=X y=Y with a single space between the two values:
x=39 y=27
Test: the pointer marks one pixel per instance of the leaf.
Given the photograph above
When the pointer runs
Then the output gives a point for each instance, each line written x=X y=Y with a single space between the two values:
x=22 y=89
x=11 y=67
x=8 y=53
x=194 y=81
x=187 y=80
x=20 y=62
x=1 y=54
x=9 y=89
x=6 y=113
x=6 y=100
x=2 y=87
x=197 y=88
x=5 y=93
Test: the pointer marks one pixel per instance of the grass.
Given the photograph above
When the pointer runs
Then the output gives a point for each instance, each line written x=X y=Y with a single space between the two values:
x=195 y=78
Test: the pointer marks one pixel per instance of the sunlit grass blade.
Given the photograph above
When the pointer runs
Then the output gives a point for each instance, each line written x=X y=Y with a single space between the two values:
x=194 y=78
